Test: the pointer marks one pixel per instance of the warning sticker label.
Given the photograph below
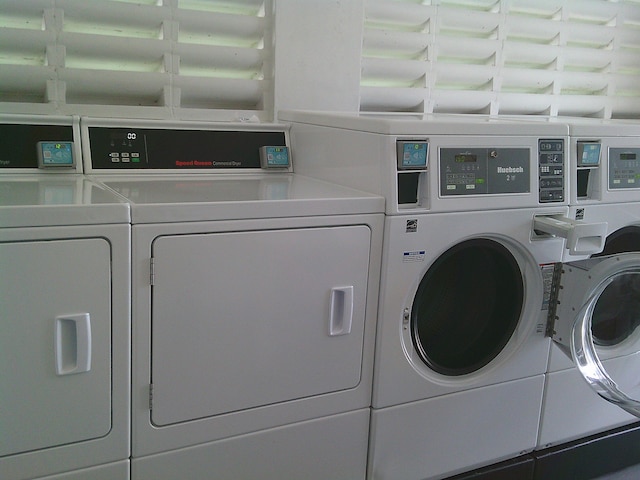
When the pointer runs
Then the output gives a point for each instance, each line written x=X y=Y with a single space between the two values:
x=412 y=225
x=417 y=256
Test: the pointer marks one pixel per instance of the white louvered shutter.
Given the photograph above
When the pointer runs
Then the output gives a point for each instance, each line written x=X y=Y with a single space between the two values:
x=552 y=57
x=151 y=58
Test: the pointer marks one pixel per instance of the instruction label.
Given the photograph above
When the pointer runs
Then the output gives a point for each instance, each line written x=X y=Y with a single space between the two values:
x=416 y=256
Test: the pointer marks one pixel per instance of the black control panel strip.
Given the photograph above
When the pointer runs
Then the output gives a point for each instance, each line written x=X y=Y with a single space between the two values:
x=18 y=142
x=161 y=149
x=551 y=171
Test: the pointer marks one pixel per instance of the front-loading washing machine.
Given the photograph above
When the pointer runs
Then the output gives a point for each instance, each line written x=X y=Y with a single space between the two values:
x=467 y=265
x=254 y=302
x=64 y=309
x=598 y=298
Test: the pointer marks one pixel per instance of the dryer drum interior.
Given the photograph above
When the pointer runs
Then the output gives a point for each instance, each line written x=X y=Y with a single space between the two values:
x=467 y=307
x=616 y=313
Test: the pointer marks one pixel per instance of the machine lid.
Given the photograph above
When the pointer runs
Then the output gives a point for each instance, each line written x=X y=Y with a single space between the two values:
x=605 y=293
x=39 y=200
x=467 y=307
x=423 y=124
x=596 y=128
x=178 y=198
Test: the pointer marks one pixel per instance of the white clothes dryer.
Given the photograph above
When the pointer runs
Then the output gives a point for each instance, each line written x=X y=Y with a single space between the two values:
x=64 y=309
x=598 y=297
x=461 y=350
x=254 y=302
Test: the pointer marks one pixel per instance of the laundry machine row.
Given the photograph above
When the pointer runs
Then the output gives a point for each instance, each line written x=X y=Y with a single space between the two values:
x=189 y=307
x=477 y=228
x=253 y=292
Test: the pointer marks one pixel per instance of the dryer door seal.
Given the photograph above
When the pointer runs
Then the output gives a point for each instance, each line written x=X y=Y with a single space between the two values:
x=601 y=290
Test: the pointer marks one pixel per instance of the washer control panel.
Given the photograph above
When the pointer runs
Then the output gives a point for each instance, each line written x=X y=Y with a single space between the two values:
x=482 y=171
x=504 y=170
x=624 y=168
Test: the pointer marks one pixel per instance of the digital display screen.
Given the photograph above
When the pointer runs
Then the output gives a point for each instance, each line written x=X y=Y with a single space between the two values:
x=551 y=145
x=627 y=156
x=274 y=157
x=588 y=154
x=55 y=154
x=412 y=155
x=466 y=158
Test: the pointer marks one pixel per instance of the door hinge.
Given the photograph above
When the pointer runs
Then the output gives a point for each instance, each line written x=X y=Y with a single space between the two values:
x=553 y=299
x=151 y=396
x=152 y=271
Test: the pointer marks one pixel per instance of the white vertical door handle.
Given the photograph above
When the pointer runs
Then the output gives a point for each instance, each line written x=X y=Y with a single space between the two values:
x=73 y=343
x=341 y=311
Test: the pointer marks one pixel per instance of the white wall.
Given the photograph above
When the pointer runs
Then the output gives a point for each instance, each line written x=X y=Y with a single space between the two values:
x=317 y=60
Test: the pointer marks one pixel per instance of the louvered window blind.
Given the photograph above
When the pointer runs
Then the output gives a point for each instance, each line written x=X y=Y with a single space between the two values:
x=150 y=58
x=550 y=57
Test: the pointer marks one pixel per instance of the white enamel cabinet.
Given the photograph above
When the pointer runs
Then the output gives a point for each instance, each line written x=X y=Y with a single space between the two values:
x=64 y=352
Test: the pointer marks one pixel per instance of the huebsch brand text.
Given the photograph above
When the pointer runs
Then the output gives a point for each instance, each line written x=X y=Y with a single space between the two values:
x=510 y=169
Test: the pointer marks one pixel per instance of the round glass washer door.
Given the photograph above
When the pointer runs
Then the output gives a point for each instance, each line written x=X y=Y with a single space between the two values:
x=609 y=317
x=613 y=295
x=467 y=306
x=613 y=319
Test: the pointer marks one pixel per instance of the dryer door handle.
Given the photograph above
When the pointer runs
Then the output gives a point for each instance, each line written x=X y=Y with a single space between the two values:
x=341 y=311
x=73 y=344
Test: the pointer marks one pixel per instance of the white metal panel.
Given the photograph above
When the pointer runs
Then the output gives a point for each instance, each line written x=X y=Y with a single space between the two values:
x=39 y=200
x=40 y=281
x=442 y=436
x=242 y=319
x=190 y=198
x=112 y=471
x=340 y=148
x=148 y=438
x=333 y=447
x=572 y=410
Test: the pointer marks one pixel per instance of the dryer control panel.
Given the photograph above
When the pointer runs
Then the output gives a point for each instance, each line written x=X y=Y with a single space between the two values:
x=163 y=148
x=29 y=146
